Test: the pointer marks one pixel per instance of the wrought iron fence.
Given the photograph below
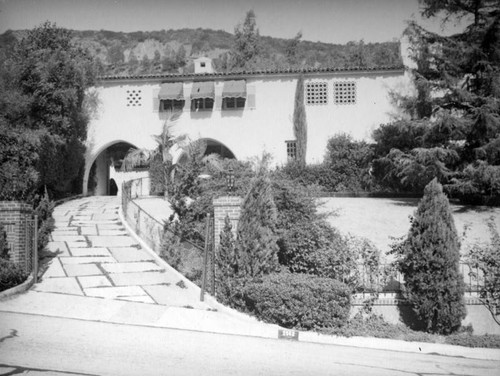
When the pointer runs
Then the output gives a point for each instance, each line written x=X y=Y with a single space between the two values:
x=387 y=279
x=31 y=263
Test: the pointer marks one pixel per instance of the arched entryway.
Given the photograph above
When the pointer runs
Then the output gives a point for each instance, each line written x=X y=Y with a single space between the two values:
x=105 y=176
x=212 y=147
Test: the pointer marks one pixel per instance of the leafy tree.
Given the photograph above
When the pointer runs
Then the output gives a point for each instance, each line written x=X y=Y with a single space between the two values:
x=256 y=229
x=133 y=62
x=46 y=77
x=300 y=122
x=349 y=161
x=145 y=64
x=428 y=259
x=115 y=55
x=456 y=105
x=247 y=45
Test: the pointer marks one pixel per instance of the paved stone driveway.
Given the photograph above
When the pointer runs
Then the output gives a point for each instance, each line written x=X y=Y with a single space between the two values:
x=97 y=257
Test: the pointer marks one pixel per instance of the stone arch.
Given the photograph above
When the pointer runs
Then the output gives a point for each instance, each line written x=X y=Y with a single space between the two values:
x=106 y=161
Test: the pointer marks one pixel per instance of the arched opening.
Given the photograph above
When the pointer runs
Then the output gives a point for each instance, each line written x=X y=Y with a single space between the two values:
x=106 y=177
x=216 y=147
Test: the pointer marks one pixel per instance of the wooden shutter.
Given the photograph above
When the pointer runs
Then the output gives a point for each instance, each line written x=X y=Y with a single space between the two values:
x=156 y=100
x=250 y=97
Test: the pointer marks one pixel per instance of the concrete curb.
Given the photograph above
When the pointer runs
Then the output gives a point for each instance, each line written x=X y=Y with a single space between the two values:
x=26 y=285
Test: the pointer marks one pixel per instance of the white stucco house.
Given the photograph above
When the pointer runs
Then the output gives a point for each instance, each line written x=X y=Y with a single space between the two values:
x=240 y=115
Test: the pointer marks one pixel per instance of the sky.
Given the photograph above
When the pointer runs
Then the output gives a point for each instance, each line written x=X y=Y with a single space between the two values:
x=330 y=21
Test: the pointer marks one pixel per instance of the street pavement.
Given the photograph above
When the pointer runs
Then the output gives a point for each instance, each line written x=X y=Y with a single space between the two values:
x=104 y=273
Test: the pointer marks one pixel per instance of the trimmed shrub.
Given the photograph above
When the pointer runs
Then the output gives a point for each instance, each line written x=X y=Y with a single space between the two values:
x=429 y=261
x=226 y=261
x=298 y=301
x=11 y=274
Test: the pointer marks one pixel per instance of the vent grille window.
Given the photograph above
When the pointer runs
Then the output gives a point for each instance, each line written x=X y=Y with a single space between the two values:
x=134 y=98
x=317 y=93
x=345 y=92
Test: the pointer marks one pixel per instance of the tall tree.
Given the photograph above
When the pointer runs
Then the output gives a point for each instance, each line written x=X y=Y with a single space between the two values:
x=49 y=76
x=247 y=45
x=257 y=239
x=429 y=260
x=300 y=122
x=457 y=80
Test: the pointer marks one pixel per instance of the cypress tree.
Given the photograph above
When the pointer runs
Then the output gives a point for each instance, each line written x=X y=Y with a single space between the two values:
x=226 y=261
x=429 y=261
x=300 y=122
x=258 y=249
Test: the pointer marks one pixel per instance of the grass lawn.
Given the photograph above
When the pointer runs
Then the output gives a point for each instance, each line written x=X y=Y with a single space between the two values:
x=378 y=219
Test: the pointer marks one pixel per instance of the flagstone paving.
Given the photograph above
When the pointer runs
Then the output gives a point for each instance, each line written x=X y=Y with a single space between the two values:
x=97 y=257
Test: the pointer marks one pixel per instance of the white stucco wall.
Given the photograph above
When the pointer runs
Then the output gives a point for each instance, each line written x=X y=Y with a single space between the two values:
x=248 y=132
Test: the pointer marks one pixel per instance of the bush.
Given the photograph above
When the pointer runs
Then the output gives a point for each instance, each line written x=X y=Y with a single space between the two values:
x=44 y=210
x=429 y=262
x=314 y=247
x=349 y=162
x=11 y=274
x=298 y=301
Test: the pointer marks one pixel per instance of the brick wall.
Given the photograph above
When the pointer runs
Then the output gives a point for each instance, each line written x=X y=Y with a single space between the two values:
x=13 y=217
x=226 y=205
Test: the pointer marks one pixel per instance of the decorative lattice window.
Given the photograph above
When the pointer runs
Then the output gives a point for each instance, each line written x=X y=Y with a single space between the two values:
x=134 y=98
x=316 y=93
x=344 y=92
x=291 y=150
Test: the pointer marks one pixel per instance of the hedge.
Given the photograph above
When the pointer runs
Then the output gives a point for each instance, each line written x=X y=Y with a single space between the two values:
x=298 y=301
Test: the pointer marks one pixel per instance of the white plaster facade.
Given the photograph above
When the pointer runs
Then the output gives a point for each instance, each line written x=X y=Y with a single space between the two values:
x=128 y=112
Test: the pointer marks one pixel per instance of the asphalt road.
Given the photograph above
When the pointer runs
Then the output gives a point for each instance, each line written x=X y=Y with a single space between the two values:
x=33 y=344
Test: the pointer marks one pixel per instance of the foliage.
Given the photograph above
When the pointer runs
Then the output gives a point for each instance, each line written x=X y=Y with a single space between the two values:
x=18 y=158
x=257 y=229
x=314 y=247
x=349 y=162
x=300 y=122
x=108 y=48
x=478 y=183
x=455 y=108
x=44 y=209
x=170 y=248
x=226 y=261
x=412 y=171
x=11 y=274
x=4 y=246
x=298 y=300
x=247 y=46
x=44 y=78
x=429 y=261
x=486 y=258
x=160 y=159
x=373 y=325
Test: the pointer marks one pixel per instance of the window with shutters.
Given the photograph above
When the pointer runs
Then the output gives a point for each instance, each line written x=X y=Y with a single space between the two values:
x=202 y=104
x=172 y=105
x=233 y=103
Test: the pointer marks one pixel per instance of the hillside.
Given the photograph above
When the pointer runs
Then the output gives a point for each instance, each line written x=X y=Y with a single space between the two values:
x=172 y=51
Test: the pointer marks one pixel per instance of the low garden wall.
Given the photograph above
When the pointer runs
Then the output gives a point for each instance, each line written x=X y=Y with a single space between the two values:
x=147 y=227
